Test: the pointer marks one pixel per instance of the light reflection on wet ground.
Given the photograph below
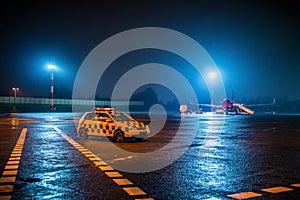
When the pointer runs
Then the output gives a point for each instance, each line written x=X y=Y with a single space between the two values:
x=249 y=153
x=14 y=122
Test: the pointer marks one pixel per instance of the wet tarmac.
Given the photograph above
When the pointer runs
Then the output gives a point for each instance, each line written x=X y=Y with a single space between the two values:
x=232 y=157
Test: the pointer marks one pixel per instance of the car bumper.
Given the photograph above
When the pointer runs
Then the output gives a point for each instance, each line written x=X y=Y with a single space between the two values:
x=139 y=133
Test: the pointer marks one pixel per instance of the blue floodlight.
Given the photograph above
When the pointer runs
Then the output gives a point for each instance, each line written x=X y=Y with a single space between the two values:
x=52 y=67
x=212 y=75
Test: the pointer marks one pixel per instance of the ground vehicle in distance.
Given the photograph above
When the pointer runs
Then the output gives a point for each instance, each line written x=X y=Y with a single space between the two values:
x=183 y=109
x=113 y=124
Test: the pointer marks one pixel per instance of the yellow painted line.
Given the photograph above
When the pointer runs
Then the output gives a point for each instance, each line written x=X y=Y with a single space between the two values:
x=122 y=181
x=106 y=168
x=99 y=163
x=84 y=151
x=244 y=195
x=72 y=142
x=90 y=157
x=113 y=174
x=15 y=155
x=17 y=152
x=13 y=162
x=14 y=158
x=89 y=154
x=5 y=197
x=7 y=179
x=296 y=185
x=144 y=199
x=6 y=188
x=11 y=169
x=9 y=172
x=94 y=159
x=273 y=190
x=133 y=191
x=277 y=189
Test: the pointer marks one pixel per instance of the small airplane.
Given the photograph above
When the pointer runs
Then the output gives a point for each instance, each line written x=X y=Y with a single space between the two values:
x=227 y=107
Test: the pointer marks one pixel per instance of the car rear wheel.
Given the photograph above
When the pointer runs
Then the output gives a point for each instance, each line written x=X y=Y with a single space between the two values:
x=83 y=134
x=119 y=136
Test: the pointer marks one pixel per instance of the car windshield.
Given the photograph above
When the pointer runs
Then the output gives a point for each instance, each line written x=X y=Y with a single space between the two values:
x=122 y=117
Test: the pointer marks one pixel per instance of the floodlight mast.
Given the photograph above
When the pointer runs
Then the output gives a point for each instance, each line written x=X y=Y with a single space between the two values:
x=52 y=68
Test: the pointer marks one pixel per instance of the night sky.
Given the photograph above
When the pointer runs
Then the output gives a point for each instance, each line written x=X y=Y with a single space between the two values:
x=255 y=44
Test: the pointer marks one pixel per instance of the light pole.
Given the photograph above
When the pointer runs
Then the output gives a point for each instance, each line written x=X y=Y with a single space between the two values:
x=15 y=90
x=52 y=68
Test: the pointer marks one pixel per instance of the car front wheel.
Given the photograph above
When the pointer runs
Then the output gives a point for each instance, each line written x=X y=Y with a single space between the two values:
x=119 y=136
x=83 y=134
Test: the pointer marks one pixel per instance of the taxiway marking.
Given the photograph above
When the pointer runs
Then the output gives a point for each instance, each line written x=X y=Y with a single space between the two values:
x=130 y=189
x=296 y=185
x=277 y=189
x=244 y=195
x=122 y=181
x=10 y=172
x=272 y=190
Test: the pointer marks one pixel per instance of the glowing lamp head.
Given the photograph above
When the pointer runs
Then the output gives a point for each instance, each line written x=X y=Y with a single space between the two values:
x=52 y=67
x=212 y=75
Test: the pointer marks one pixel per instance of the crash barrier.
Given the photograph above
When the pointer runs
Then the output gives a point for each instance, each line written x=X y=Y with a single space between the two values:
x=31 y=104
x=32 y=100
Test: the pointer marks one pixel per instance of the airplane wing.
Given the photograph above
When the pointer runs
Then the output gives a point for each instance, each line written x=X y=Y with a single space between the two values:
x=263 y=104
x=207 y=105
